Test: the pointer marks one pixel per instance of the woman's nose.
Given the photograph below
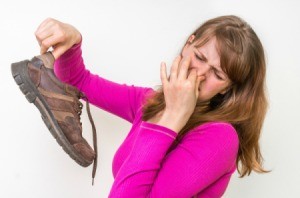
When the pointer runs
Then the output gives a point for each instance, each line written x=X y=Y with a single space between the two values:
x=203 y=70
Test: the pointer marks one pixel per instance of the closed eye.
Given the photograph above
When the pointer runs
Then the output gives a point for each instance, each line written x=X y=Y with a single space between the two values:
x=201 y=59
x=216 y=74
x=218 y=77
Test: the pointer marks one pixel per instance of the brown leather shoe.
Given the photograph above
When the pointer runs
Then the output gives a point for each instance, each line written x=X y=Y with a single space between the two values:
x=58 y=104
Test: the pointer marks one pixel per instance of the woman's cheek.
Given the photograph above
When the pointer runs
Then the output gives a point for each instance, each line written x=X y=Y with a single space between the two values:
x=210 y=87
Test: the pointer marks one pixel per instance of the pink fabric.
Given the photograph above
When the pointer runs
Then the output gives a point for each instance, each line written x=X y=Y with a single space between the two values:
x=200 y=166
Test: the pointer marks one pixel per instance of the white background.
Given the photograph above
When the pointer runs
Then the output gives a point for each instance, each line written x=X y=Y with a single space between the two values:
x=125 y=41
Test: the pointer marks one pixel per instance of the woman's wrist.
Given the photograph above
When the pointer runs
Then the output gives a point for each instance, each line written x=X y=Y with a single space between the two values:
x=172 y=121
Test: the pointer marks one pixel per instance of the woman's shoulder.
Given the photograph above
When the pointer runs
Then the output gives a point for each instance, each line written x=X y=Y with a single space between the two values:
x=218 y=139
x=220 y=131
x=216 y=125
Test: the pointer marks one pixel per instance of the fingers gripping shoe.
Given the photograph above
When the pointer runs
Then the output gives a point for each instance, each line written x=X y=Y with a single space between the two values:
x=59 y=106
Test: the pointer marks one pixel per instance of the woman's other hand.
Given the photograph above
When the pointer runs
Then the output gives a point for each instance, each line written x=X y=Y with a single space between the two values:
x=60 y=36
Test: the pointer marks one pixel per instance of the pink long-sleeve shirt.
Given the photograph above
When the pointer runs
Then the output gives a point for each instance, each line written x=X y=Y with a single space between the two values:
x=199 y=166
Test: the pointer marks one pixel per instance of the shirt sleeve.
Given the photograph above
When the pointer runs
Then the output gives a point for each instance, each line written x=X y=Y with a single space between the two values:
x=119 y=99
x=200 y=159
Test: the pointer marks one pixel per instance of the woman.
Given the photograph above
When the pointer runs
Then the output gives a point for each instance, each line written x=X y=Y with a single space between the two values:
x=203 y=123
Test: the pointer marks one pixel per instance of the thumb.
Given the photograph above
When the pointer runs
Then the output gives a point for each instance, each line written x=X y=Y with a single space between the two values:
x=198 y=82
x=58 y=50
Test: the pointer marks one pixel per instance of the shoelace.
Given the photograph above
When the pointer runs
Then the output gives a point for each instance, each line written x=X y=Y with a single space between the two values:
x=82 y=96
x=80 y=105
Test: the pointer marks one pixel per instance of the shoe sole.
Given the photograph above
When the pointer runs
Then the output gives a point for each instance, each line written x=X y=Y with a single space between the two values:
x=21 y=77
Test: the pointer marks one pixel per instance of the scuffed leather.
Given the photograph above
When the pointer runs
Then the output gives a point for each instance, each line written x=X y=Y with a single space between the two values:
x=62 y=99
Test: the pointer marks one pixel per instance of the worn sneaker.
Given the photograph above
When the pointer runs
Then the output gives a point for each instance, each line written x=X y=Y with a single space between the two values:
x=59 y=106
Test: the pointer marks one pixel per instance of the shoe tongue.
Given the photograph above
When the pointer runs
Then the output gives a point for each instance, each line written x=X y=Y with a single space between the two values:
x=48 y=59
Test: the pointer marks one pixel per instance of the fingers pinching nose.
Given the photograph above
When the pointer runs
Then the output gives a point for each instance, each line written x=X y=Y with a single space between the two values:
x=201 y=78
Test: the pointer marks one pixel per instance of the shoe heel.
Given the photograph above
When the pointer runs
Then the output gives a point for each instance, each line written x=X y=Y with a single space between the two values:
x=19 y=71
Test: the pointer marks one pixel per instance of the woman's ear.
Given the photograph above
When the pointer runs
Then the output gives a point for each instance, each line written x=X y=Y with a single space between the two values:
x=191 y=39
x=187 y=44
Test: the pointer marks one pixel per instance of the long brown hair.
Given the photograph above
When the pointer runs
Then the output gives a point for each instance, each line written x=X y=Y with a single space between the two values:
x=244 y=105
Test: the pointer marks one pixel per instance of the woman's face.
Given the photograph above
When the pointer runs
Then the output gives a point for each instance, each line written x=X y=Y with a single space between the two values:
x=206 y=61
